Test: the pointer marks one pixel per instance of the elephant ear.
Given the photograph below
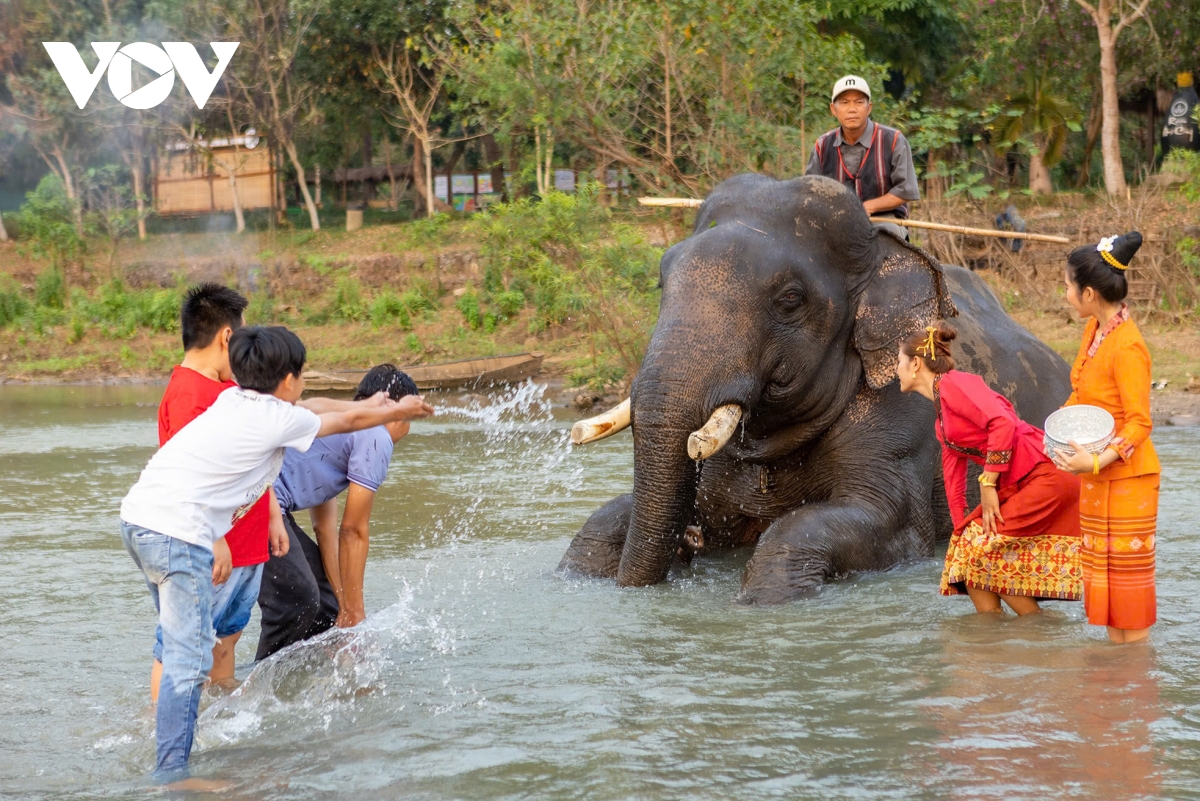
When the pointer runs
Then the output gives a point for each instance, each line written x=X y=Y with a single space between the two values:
x=906 y=293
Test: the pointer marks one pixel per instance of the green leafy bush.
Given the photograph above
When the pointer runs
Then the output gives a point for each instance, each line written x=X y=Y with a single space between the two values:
x=122 y=311
x=47 y=223
x=347 y=301
x=509 y=303
x=1186 y=165
x=468 y=305
x=389 y=309
x=261 y=310
x=13 y=305
x=50 y=289
x=566 y=256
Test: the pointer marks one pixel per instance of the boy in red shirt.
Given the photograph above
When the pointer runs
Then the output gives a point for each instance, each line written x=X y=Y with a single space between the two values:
x=208 y=318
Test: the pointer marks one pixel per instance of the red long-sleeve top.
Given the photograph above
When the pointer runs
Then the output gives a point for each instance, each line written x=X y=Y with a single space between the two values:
x=975 y=423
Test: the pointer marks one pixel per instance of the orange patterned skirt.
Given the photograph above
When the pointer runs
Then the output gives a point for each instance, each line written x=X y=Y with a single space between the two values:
x=1119 y=519
x=1036 y=551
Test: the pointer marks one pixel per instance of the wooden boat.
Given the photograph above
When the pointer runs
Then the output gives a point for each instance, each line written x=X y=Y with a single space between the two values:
x=462 y=374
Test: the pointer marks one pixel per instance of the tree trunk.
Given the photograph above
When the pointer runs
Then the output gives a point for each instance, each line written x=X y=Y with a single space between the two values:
x=72 y=195
x=234 y=193
x=3 y=231
x=495 y=162
x=935 y=182
x=368 y=159
x=1039 y=176
x=417 y=169
x=1095 y=118
x=138 y=183
x=300 y=179
x=427 y=152
x=317 y=181
x=1110 y=132
x=537 y=158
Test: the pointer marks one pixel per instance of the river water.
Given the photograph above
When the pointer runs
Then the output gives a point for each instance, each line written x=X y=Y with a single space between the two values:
x=480 y=673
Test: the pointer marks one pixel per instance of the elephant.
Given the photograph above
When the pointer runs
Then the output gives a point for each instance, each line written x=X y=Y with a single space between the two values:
x=766 y=410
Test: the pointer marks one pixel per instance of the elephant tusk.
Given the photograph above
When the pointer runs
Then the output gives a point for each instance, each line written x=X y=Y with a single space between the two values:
x=716 y=432
x=604 y=425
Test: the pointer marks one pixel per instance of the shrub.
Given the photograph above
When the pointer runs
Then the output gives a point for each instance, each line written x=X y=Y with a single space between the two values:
x=47 y=223
x=566 y=257
x=389 y=309
x=122 y=311
x=509 y=303
x=261 y=310
x=13 y=305
x=50 y=289
x=1186 y=165
x=347 y=302
x=468 y=305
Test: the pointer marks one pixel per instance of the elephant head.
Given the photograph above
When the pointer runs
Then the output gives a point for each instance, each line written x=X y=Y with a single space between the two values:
x=776 y=309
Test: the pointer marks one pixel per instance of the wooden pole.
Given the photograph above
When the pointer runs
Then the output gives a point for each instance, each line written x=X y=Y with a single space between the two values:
x=962 y=229
x=692 y=203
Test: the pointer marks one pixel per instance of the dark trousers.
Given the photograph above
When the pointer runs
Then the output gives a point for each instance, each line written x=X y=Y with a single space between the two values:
x=296 y=598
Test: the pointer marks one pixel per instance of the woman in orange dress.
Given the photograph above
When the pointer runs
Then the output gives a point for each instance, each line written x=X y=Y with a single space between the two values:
x=1119 y=495
x=1022 y=543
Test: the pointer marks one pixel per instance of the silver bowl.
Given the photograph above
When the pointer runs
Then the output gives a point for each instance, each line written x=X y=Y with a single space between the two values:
x=1090 y=426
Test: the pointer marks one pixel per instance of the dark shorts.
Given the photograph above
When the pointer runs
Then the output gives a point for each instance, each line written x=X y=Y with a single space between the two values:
x=296 y=598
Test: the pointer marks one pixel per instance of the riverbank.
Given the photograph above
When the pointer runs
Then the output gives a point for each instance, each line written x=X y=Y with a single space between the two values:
x=437 y=290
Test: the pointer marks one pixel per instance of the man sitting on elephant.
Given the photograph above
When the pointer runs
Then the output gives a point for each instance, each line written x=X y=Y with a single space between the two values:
x=871 y=160
x=773 y=365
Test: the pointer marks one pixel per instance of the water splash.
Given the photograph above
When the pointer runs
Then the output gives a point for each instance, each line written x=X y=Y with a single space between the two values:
x=319 y=683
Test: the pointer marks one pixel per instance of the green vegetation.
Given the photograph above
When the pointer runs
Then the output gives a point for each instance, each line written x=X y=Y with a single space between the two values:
x=569 y=260
x=114 y=311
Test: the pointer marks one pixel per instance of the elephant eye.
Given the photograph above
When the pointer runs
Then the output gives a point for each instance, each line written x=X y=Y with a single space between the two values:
x=790 y=298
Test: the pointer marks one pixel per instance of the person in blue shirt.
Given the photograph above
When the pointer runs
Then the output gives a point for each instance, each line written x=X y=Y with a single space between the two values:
x=317 y=585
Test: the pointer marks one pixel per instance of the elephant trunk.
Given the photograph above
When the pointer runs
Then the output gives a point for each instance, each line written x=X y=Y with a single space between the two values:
x=680 y=414
x=664 y=484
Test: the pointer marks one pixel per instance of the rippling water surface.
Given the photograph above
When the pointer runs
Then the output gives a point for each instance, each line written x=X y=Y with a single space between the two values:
x=480 y=673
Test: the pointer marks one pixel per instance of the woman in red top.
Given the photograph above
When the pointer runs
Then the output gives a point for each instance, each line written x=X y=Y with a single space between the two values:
x=1022 y=542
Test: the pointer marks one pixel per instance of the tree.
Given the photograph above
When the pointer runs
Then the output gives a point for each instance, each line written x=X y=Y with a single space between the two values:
x=414 y=79
x=1044 y=119
x=267 y=81
x=680 y=94
x=1110 y=130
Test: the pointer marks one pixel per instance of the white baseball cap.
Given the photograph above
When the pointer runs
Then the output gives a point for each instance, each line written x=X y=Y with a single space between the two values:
x=848 y=82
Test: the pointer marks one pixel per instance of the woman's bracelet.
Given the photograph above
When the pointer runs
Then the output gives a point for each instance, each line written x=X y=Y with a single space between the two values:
x=1095 y=464
x=989 y=479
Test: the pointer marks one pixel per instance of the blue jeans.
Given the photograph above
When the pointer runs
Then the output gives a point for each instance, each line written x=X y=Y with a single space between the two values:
x=232 y=603
x=179 y=577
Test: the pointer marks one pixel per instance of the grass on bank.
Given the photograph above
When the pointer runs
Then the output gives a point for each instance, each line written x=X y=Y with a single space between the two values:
x=559 y=274
x=564 y=275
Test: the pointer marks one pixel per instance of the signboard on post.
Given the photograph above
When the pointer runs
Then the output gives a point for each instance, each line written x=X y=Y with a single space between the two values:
x=564 y=180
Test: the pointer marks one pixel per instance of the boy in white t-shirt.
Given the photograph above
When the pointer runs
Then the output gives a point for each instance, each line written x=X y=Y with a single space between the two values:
x=198 y=484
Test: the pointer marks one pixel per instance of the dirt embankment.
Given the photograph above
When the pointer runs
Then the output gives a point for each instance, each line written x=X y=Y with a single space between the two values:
x=293 y=276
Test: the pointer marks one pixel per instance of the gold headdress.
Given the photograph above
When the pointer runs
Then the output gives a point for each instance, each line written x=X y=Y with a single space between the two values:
x=928 y=348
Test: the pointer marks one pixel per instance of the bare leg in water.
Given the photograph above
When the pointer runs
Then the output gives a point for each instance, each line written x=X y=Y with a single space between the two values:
x=989 y=602
x=1127 y=635
x=221 y=674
